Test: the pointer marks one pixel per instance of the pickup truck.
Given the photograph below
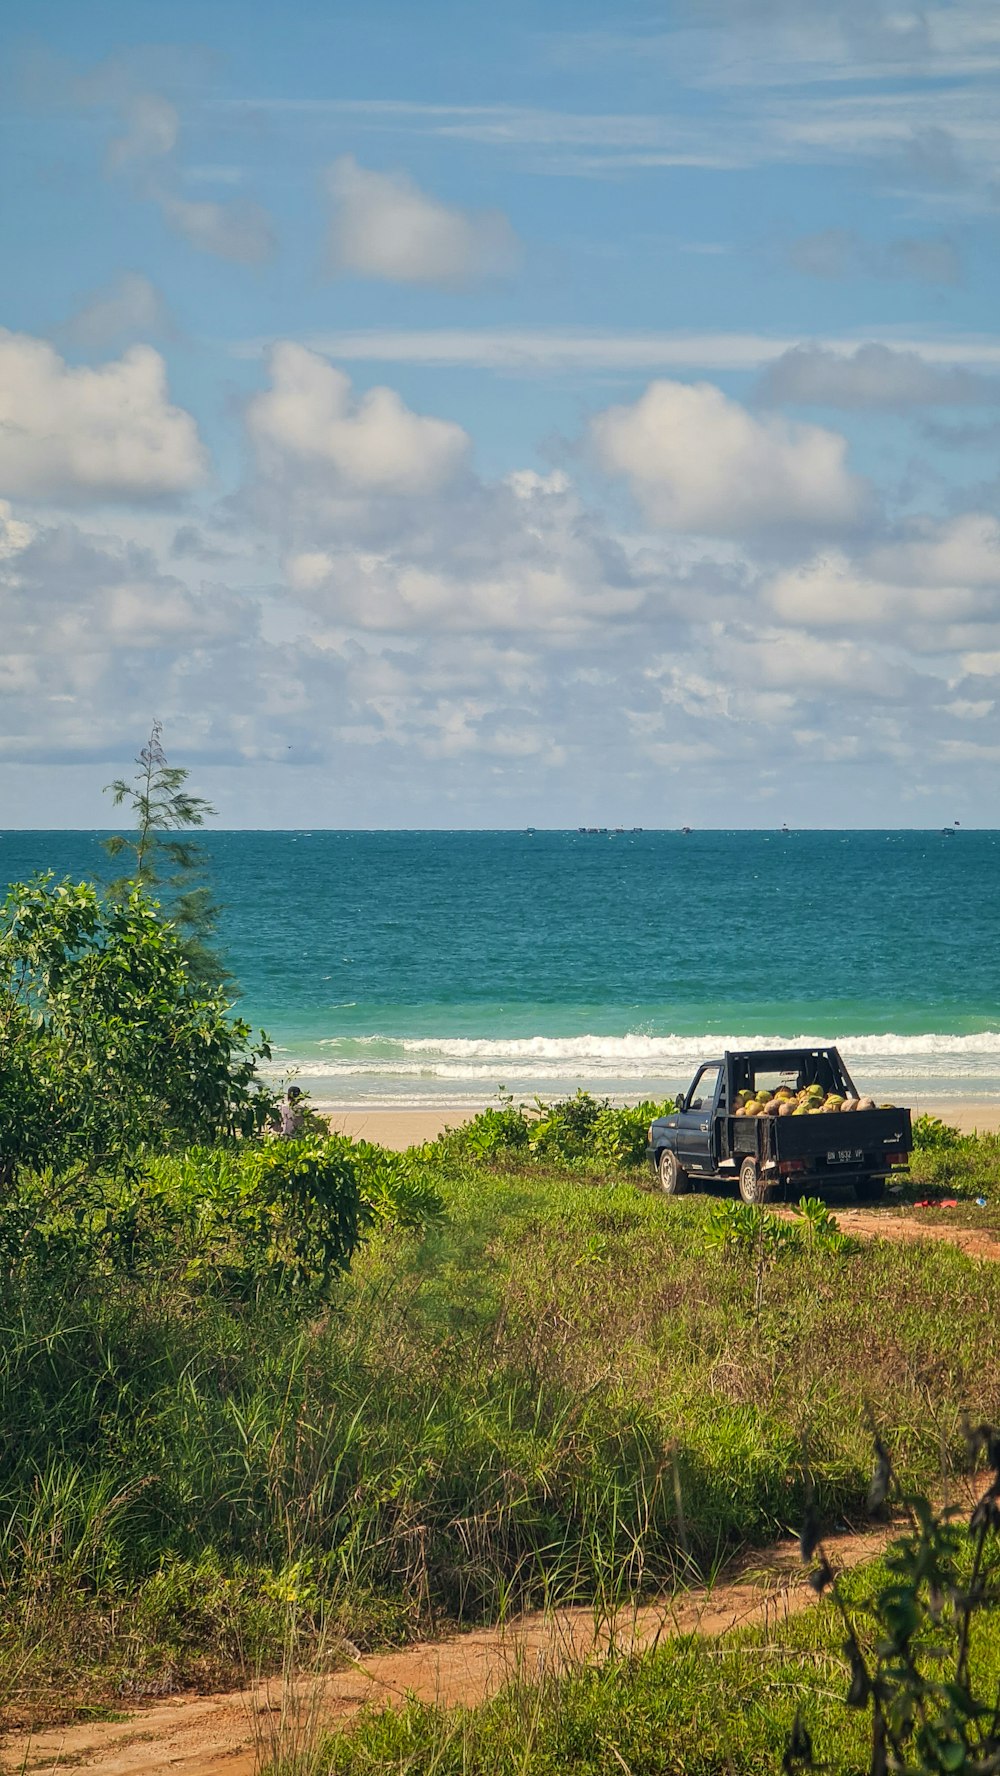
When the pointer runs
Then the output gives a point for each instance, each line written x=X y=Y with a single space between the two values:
x=754 y=1117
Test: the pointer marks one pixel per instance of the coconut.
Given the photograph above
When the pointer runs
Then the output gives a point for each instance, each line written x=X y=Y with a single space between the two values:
x=849 y=1104
x=787 y=1109
x=739 y=1110
x=753 y=1108
x=866 y=1103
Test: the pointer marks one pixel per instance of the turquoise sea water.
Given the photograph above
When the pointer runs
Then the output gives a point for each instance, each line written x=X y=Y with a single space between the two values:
x=432 y=967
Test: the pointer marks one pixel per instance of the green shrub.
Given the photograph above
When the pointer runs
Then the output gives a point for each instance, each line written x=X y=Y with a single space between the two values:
x=565 y=1130
x=395 y=1188
x=108 y=1044
x=621 y=1135
x=930 y=1133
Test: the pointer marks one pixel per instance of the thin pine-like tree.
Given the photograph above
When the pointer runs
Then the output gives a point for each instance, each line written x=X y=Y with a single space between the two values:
x=169 y=866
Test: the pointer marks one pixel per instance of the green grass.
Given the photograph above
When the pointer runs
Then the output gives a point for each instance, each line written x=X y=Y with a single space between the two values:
x=691 y=1707
x=498 y=1413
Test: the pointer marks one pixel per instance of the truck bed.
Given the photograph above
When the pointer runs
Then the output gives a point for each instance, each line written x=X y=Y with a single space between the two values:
x=822 y=1140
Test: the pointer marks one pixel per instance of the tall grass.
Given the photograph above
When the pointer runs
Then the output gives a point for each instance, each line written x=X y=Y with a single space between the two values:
x=559 y=1392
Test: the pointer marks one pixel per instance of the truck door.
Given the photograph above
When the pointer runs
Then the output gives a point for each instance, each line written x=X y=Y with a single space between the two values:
x=695 y=1124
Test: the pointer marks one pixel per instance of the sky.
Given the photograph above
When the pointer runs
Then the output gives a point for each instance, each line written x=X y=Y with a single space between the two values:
x=458 y=416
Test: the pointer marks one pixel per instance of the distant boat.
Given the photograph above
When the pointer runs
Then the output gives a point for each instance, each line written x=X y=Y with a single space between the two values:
x=685 y=829
x=947 y=832
x=785 y=827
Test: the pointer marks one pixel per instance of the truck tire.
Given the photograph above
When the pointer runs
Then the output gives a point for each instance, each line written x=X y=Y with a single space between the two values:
x=869 y=1190
x=753 y=1188
x=673 y=1180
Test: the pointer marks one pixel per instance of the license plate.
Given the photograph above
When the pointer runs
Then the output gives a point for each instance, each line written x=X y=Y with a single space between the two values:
x=843 y=1156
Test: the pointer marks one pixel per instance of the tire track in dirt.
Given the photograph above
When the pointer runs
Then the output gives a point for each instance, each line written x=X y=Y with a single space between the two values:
x=233 y=1734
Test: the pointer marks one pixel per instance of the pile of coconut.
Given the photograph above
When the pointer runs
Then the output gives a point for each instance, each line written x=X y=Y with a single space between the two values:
x=812 y=1101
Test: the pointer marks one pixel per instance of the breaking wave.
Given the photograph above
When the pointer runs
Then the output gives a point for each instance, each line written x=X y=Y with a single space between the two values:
x=412 y=1069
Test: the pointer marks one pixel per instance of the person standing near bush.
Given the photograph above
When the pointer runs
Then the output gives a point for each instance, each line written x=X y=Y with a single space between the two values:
x=292 y=1114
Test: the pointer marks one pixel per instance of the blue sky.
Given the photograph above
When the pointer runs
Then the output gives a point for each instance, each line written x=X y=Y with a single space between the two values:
x=461 y=416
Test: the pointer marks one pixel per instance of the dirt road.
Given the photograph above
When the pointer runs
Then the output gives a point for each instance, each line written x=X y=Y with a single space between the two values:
x=909 y=1225
x=231 y=1735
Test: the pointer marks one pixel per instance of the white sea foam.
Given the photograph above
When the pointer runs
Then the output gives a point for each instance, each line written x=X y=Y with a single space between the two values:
x=418 y=1069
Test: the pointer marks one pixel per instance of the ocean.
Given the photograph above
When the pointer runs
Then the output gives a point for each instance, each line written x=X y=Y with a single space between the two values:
x=433 y=968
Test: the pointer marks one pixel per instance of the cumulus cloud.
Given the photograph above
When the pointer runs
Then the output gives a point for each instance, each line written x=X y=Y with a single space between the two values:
x=961 y=551
x=697 y=461
x=873 y=375
x=241 y=230
x=96 y=634
x=384 y=226
x=109 y=431
x=521 y=556
x=128 y=308
x=369 y=443
x=938 y=577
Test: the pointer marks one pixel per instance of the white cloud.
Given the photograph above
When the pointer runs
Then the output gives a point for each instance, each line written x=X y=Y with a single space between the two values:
x=943 y=575
x=373 y=443
x=109 y=431
x=384 y=226
x=522 y=555
x=128 y=308
x=962 y=551
x=240 y=231
x=699 y=461
x=15 y=535
x=151 y=130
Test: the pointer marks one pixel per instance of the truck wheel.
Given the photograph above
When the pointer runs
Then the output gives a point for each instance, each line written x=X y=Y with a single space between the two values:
x=673 y=1180
x=753 y=1189
x=869 y=1190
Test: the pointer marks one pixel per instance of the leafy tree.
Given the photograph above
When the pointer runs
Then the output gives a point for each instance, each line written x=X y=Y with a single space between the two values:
x=171 y=868
x=108 y=1042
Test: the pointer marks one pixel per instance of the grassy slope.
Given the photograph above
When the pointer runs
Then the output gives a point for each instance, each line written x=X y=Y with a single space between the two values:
x=490 y=1417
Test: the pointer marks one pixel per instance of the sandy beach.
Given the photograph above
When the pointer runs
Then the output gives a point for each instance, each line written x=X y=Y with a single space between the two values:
x=401 y=1128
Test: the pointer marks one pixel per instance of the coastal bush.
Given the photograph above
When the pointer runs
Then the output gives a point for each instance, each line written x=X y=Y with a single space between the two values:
x=107 y=1046
x=235 y=1218
x=967 y=1167
x=931 y=1134
x=578 y=1128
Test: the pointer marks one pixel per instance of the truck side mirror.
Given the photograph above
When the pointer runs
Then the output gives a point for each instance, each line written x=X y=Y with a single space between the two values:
x=681 y=1101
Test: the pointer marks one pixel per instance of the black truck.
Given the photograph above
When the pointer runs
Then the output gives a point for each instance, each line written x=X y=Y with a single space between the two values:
x=773 y=1118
